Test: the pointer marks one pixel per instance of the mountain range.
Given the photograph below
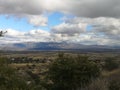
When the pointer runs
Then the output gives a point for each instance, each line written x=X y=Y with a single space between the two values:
x=53 y=46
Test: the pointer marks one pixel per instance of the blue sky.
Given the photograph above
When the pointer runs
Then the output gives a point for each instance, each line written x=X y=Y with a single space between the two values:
x=21 y=24
x=14 y=23
x=55 y=19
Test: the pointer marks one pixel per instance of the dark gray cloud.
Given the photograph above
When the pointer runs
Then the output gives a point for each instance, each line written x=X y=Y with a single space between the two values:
x=20 y=7
x=82 y=8
x=97 y=8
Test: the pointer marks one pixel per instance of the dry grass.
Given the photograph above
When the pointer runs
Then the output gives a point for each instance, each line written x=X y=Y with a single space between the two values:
x=109 y=73
x=107 y=80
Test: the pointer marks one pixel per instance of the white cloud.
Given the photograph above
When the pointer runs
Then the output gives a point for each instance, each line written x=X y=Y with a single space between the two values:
x=11 y=32
x=93 y=37
x=38 y=20
x=15 y=36
x=108 y=26
x=103 y=31
x=69 y=29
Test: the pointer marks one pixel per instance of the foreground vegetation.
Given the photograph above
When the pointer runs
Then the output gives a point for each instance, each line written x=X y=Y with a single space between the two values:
x=65 y=72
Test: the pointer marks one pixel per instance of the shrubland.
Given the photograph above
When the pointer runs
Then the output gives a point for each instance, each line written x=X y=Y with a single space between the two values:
x=66 y=72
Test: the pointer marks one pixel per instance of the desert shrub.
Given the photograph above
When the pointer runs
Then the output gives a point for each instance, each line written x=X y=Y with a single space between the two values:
x=109 y=82
x=114 y=85
x=68 y=73
x=9 y=80
x=34 y=77
x=111 y=64
x=98 y=84
x=114 y=81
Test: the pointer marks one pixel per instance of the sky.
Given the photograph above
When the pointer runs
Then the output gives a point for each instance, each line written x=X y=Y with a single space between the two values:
x=89 y=22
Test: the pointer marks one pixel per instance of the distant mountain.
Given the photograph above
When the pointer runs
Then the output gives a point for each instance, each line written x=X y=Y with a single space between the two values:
x=51 y=46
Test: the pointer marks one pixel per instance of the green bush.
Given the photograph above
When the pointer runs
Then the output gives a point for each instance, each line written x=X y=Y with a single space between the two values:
x=68 y=73
x=9 y=80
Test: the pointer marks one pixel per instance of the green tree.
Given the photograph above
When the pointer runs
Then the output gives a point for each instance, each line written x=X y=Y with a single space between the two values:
x=68 y=73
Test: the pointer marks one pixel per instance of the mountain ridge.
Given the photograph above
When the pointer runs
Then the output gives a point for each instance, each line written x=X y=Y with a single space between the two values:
x=51 y=46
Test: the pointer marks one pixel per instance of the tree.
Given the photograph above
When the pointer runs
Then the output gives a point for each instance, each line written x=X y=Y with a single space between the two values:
x=68 y=73
x=2 y=33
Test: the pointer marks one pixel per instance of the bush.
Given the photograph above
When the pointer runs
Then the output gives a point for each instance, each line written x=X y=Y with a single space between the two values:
x=114 y=85
x=114 y=81
x=68 y=73
x=111 y=64
x=9 y=80
x=98 y=84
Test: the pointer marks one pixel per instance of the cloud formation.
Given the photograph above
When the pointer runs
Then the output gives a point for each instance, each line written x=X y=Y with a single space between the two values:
x=100 y=24
x=82 y=8
x=69 y=29
x=103 y=31
x=37 y=20
x=103 y=16
x=15 y=36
